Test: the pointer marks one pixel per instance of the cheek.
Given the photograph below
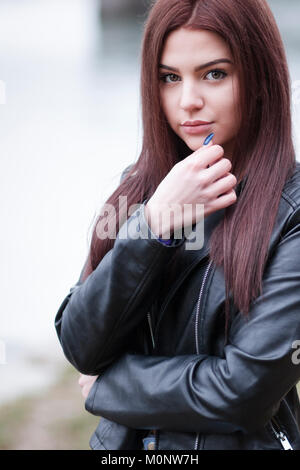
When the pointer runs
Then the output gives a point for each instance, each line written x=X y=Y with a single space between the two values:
x=168 y=105
x=226 y=105
x=224 y=100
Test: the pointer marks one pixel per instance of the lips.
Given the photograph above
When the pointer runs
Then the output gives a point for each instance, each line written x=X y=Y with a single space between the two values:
x=197 y=128
x=195 y=123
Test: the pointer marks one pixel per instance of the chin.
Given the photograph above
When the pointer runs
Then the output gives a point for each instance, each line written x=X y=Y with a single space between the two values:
x=195 y=144
x=193 y=148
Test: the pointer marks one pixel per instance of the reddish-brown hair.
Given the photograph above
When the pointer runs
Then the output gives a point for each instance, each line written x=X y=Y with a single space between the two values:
x=264 y=149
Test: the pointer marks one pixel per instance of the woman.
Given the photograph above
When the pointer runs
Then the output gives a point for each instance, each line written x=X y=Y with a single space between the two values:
x=195 y=348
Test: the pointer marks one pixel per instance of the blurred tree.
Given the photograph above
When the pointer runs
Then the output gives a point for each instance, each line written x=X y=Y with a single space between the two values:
x=124 y=7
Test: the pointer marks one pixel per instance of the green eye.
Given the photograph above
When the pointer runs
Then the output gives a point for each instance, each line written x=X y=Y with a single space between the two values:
x=165 y=77
x=216 y=74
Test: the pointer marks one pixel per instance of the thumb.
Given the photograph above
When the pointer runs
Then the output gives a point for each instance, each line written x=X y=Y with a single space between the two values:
x=208 y=142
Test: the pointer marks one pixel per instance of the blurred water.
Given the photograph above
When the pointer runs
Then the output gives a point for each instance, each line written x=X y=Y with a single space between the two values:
x=69 y=127
x=287 y=15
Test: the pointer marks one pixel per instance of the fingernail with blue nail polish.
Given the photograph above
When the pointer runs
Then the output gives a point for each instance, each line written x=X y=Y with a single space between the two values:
x=208 y=139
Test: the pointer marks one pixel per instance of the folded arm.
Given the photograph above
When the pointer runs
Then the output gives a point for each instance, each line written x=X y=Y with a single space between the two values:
x=213 y=394
x=98 y=317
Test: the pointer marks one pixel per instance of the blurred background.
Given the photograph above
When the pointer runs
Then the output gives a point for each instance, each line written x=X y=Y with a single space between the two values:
x=70 y=124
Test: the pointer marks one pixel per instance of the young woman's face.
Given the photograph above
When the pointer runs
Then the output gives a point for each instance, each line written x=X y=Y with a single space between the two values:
x=191 y=90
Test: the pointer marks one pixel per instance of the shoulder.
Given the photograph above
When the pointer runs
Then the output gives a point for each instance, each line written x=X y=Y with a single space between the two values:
x=291 y=190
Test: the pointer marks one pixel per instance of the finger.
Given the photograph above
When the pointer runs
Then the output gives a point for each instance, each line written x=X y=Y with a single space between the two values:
x=230 y=197
x=218 y=170
x=196 y=153
x=223 y=185
x=223 y=201
x=209 y=144
x=207 y=156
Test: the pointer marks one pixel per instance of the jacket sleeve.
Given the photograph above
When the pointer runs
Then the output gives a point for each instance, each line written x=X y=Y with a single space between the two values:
x=241 y=391
x=99 y=316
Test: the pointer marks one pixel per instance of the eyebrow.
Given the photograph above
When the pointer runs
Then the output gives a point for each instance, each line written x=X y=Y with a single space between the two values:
x=199 y=67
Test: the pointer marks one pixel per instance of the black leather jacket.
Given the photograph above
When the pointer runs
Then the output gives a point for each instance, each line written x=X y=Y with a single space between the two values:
x=162 y=362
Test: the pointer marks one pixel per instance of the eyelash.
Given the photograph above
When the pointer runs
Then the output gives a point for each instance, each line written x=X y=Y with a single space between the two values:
x=163 y=77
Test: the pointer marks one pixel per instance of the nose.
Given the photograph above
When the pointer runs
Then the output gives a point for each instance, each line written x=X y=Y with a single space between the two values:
x=191 y=96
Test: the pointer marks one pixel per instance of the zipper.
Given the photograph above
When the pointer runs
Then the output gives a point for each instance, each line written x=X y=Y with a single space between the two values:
x=151 y=330
x=196 y=328
x=196 y=336
x=198 y=306
x=155 y=431
x=280 y=435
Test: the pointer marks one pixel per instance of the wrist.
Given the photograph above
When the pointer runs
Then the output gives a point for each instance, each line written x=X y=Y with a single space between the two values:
x=159 y=225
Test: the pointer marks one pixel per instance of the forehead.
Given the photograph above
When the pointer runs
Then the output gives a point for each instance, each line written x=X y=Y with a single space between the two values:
x=194 y=45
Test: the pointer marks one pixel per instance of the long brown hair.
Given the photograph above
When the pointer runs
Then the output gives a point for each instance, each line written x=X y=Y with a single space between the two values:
x=264 y=149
